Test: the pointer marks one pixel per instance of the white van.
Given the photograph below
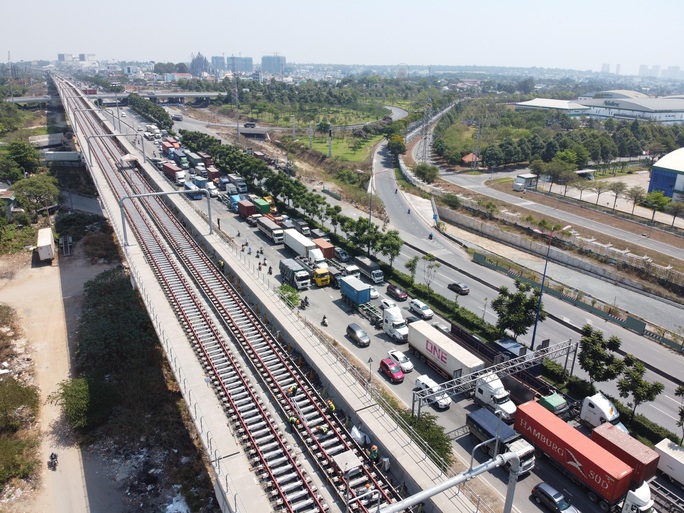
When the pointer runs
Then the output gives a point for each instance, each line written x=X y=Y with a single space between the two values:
x=441 y=398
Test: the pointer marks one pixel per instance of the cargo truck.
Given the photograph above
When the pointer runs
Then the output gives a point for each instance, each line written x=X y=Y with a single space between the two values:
x=598 y=409
x=167 y=148
x=483 y=425
x=642 y=459
x=262 y=206
x=319 y=275
x=45 y=245
x=238 y=182
x=302 y=227
x=605 y=477
x=490 y=393
x=271 y=202
x=294 y=274
x=206 y=158
x=193 y=191
x=303 y=247
x=354 y=291
x=181 y=159
x=204 y=183
x=369 y=269
x=327 y=249
x=213 y=174
x=194 y=159
x=173 y=173
x=245 y=208
x=440 y=352
x=671 y=462
x=270 y=229
x=222 y=183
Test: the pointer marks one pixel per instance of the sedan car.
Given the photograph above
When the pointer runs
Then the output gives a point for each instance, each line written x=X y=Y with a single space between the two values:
x=252 y=220
x=460 y=288
x=387 y=303
x=400 y=358
x=395 y=292
x=421 y=309
x=392 y=370
x=374 y=293
x=552 y=499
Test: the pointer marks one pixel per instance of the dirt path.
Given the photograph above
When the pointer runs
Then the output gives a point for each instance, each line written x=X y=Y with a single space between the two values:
x=47 y=299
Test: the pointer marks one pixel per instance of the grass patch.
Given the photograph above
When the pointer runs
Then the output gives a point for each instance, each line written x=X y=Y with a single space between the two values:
x=349 y=148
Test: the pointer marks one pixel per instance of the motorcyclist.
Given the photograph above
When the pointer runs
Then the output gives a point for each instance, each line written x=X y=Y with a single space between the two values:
x=324 y=322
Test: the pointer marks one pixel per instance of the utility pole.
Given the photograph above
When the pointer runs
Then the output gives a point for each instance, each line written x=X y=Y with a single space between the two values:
x=330 y=143
x=310 y=132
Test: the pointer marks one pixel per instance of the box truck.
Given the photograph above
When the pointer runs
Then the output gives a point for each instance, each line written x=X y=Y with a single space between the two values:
x=45 y=245
x=369 y=269
x=605 y=477
x=671 y=462
x=440 y=352
x=294 y=274
x=303 y=246
x=173 y=173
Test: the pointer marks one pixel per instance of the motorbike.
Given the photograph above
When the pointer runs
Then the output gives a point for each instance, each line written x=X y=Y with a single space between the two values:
x=52 y=462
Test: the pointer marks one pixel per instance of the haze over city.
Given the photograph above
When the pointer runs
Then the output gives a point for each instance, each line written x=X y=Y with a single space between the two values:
x=581 y=35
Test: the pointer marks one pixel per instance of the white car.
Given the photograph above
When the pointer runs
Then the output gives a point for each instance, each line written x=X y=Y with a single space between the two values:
x=421 y=309
x=403 y=360
x=387 y=303
x=374 y=293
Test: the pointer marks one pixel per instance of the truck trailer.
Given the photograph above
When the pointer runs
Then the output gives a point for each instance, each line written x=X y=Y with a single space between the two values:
x=45 y=245
x=642 y=459
x=605 y=477
x=440 y=352
x=294 y=274
x=671 y=462
x=246 y=208
x=327 y=249
x=483 y=425
x=354 y=291
x=303 y=246
x=369 y=269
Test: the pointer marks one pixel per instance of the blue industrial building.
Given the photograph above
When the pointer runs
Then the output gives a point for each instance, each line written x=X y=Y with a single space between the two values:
x=667 y=175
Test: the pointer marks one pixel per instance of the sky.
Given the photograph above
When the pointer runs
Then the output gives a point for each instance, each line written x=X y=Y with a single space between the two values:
x=579 y=34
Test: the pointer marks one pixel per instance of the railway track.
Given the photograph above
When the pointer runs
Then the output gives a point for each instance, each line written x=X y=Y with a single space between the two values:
x=219 y=324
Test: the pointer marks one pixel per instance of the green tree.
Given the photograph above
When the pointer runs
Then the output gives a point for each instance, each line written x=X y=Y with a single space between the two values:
x=290 y=295
x=656 y=201
x=599 y=187
x=679 y=392
x=633 y=383
x=412 y=266
x=636 y=195
x=25 y=155
x=430 y=267
x=333 y=215
x=517 y=310
x=36 y=192
x=426 y=172
x=429 y=430
x=617 y=188
x=396 y=145
x=73 y=397
x=390 y=245
x=10 y=171
x=675 y=209
x=597 y=356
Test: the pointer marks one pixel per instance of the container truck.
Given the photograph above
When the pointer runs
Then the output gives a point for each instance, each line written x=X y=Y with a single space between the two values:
x=605 y=477
x=193 y=191
x=45 y=245
x=213 y=174
x=642 y=459
x=238 y=182
x=204 y=183
x=294 y=274
x=245 y=208
x=369 y=269
x=206 y=158
x=193 y=159
x=394 y=324
x=222 y=183
x=270 y=229
x=173 y=173
x=181 y=159
x=327 y=249
x=302 y=227
x=483 y=425
x=440 y=352
x=167 y=148
x=671 y=462
x=303 y=247
x=262 y=206
x=319 y=275
x=271 y=202
x=598 y=409
x=491 y=393
x=354 y=291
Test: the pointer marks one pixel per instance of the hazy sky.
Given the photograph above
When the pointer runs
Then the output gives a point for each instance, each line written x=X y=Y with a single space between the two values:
x=579 y=34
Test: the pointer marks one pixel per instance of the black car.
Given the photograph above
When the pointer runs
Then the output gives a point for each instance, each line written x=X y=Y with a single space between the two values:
x=460 y=288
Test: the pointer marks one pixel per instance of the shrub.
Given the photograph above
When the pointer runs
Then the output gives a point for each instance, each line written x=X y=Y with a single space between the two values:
x=554 y=371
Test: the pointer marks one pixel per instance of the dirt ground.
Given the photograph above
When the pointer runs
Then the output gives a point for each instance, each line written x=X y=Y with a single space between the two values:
x=47 y=299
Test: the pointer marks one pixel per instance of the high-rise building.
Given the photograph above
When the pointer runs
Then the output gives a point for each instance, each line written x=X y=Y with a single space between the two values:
x=239 y=64
x=218 y=62
x=617 y=69
x=605 y=68
x=273 y=64
x=643 y=70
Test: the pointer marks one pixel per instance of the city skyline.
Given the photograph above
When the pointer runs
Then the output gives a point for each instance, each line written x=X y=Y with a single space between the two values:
x=525 y=34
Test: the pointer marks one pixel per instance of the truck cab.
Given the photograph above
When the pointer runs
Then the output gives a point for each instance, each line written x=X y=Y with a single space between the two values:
x=490 y=392
x=598 y=409
x=394 y=324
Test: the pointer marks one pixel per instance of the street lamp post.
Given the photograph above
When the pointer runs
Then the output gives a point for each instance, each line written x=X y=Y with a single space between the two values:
x=541 y=291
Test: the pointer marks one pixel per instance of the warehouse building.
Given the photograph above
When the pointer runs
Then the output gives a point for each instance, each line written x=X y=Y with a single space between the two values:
x=667 y=175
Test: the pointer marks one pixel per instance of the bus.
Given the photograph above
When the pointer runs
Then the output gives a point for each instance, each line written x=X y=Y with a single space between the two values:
x=271 y=229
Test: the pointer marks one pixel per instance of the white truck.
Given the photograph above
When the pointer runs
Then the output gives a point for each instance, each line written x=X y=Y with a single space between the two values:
x=45 y=245
x=598 y=409
x=490 y=393
x=671 y=462
x=304 y=247
x=394 y=324
x=293 y=273
x=441 y=352
x=370 y=269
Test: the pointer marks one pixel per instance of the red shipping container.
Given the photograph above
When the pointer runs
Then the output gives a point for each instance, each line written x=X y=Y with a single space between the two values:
x=600 y=471
x=642 y=459
x=326 y=248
